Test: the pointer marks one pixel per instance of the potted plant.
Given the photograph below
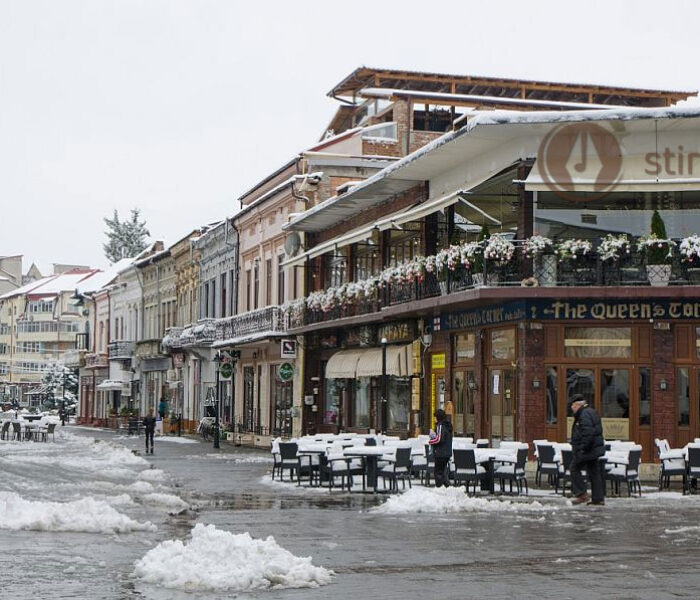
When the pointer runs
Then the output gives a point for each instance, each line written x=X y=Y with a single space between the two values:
x=574 y=250
x=689 y=249
x=498 y=252
x=541 y=250
x=613 y=248
x=658 y=250
x=475 y=252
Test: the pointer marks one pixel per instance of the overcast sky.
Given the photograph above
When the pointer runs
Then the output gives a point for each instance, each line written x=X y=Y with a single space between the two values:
x=178 y=107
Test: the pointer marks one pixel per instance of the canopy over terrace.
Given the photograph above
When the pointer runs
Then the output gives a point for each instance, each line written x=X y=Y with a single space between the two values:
x=487 y=144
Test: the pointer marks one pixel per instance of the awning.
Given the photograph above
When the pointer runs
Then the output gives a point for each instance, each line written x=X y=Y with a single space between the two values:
x=38 y=391
x=469 y=211
x=370 y=363
x=357 y=235
x=110 y=385
x=343 y=364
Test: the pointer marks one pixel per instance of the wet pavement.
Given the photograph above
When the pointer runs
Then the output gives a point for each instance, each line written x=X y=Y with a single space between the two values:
x=629 y=549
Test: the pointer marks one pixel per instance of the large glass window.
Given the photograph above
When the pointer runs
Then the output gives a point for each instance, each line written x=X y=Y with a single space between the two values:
x=645 y=396
x=363 y=394
x=614 y=393
x=336 y=269
x=503 y=344
x=399 y=398
x=404 y=243
x=551 y=396
x=367 y=261
x=683 y=396
x=598 y=342
x=579 y=381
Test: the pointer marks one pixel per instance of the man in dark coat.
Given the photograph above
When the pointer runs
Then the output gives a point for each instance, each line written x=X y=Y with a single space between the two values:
x=149 y=424
x=441 y=443
x=587 y=445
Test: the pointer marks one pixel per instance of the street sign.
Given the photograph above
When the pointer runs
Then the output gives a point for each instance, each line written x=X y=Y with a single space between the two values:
x=288 y=349
x=226 y=370
x=286 y=371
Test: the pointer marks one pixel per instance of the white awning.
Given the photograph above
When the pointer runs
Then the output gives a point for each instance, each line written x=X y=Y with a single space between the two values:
x=370 y=363
x=357 y=235
x=471 y=212
x=343 y=364
x=110 y=385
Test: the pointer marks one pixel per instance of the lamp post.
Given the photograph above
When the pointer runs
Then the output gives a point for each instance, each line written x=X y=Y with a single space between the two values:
x=384 y=386
x=216 y=403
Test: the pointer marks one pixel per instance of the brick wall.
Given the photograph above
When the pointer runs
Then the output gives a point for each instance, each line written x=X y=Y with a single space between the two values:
x=663 y=405
x=531 y=401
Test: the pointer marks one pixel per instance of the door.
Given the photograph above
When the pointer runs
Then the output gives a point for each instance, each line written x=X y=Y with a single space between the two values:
x=501 y=406
x=687 y=405
x=609 y=390
x=463 y=395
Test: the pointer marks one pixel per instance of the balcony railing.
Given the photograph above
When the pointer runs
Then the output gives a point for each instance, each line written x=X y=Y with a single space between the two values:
x=203 y=333
x=268 y=319
x=96 y=361
x=544 y=270
x=120 y=350
x=173 y=338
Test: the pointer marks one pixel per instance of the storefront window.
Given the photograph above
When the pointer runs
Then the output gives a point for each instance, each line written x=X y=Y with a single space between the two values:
x=645 y=396
x=465 y=347
x=331 y=407
x=598 y=342
x=614 y=393
x=503 y=344
x=363 y=390
x=683 y=396
x=551 y=396
x=281 y=403
x=399 y=399
x=579 y=381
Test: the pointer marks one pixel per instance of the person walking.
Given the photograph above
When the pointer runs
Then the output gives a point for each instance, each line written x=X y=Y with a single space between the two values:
x=441 y=442
x=587 y=445
x=149 y=423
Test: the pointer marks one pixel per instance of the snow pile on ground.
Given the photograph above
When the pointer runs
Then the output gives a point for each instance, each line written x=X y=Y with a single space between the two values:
x=218 y=560
x=171 y=502
x=176 y=440
x=451 y=500
x=157 y=475
x=85 y=515
x=235 y=458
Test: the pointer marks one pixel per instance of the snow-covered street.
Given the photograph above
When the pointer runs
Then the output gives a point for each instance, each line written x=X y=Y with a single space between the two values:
x=86 y=517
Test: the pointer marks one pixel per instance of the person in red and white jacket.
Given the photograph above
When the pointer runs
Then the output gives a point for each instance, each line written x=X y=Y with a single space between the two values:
x=441 y=442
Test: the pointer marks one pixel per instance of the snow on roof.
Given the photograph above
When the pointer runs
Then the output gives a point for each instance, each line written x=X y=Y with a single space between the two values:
x=103 y=278
x=56 y=284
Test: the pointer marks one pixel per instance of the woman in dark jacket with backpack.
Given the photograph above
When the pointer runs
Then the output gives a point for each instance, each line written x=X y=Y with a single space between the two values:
x=587 y=445
x=441 y=443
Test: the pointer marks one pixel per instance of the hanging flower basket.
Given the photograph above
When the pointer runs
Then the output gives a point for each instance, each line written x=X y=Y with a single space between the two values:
x=613 y=248
x=574 y=249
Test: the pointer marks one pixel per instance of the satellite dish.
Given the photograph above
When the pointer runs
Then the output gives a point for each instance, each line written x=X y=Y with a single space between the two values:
x=292 y=243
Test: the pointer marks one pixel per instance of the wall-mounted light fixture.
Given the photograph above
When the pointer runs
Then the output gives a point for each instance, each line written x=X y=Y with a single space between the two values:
x=663 y=385
x=536 y=383
x=471 y=384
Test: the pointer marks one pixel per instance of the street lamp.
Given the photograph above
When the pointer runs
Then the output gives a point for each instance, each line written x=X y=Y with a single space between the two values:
x=384 y=386
x=216 y=402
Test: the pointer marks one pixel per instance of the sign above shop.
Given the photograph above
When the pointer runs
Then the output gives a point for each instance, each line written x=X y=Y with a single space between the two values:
x=288 y=349
x=398 y=332
x=573 y=310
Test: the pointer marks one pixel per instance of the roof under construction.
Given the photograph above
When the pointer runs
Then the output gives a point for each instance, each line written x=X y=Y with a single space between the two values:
x=474 y=90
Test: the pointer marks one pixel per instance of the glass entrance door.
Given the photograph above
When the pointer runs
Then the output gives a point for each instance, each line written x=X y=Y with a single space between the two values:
x=608 y=390
x=464 y=402
x=501 y=414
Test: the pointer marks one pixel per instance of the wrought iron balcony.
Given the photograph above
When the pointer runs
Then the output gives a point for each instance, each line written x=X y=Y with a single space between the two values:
x=403 y=285
x=173 y=338
x=263 y=320
x=96 y=361
x=203 y=333
x=120 y=350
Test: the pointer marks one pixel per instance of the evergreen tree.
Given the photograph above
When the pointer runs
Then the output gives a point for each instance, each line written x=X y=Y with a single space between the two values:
x=125 y=239
x=62 y=384
x=659 y=253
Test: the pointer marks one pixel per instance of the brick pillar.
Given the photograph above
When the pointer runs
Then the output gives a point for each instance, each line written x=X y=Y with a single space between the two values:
x=663 y=403
x=531 y=400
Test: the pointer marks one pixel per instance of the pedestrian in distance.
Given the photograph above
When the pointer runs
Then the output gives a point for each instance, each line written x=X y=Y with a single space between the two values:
x=441 y=443
x=149 y=424
x=64 y=416
x=587 y=445
x=162 y=408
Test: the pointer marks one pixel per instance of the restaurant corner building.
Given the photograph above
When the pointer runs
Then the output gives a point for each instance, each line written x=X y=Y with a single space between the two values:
x=503 y=340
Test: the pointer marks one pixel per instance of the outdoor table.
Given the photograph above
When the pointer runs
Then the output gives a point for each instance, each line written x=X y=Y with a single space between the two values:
x=30 y=430
x=487 y=457
x=31 y=418
x=371 y=455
